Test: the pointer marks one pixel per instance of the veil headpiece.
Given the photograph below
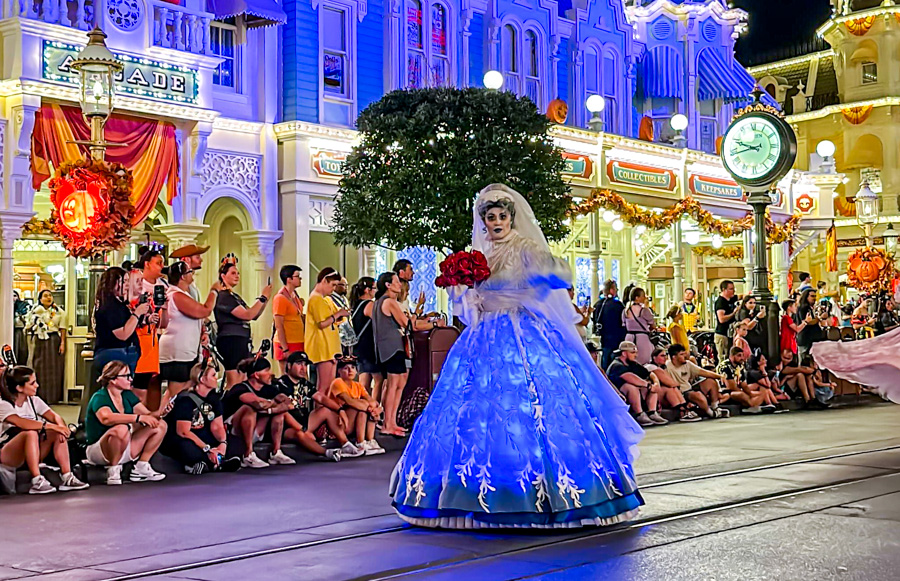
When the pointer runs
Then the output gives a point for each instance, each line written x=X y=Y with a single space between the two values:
x=525 y=224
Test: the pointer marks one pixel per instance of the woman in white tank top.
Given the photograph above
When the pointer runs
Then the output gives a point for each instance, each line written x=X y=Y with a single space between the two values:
x=179 y=347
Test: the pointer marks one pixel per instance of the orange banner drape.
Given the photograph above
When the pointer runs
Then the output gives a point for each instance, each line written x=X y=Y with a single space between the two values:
x=831 y=259
x=860 y=26
x=857 y=115
x=151 y=152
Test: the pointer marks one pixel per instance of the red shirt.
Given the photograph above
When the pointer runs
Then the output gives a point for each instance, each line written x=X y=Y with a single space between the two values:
x=788 y=336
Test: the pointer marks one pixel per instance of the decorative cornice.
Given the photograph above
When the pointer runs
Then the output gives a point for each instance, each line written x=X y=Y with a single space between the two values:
x=238 y=125
x=761 y=70
x=734 y=16
x=836 y=21
x=834 y=109
x=293 y=129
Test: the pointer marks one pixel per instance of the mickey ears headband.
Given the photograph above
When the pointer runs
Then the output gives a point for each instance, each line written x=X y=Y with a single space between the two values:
x=230 y=258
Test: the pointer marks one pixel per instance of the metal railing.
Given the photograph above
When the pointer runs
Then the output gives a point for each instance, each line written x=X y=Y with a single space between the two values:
x=179 y=28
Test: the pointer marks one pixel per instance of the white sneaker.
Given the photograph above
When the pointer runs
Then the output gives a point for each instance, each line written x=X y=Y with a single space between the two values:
x=643 y=420
x=280 y=457
x=113 y=475
x=40 y=485
x=753 y=410
x=333 y=454
x=348 y=450
x=373 y=448
x=690 y=417
x=253 y=461
x=69 y=482
x=143 y=472
x=658 y=419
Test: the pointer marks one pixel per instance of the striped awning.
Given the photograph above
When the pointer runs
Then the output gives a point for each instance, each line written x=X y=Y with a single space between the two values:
x=717 y=80
x=257 y=13
x=749 y=83
x=662 y=73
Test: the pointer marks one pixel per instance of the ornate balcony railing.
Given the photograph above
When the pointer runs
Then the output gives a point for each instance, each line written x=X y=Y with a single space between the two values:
x=179 y=28
x=76 y=13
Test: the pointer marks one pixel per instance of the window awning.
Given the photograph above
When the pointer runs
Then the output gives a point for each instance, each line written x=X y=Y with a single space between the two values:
x=257 y=13
x=748 y=83
x=716 y=80
x=662 y=73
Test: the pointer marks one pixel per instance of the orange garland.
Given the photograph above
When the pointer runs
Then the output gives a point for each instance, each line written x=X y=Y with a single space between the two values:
x=860 y=26
x=857 y=115
x=635 y=215
x=727 y=252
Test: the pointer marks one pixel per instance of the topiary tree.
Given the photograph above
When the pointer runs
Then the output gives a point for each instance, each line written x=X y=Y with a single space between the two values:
x=424 y=155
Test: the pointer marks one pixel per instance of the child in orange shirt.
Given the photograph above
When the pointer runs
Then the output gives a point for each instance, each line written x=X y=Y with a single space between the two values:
x=357 y=406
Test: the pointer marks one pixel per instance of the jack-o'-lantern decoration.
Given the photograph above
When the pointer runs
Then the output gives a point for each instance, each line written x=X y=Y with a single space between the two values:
x=558 y=111
x=92 y=208
x=869 y=270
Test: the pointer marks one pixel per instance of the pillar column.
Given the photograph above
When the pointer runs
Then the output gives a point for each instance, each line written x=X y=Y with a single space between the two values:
x=10 y=230
x=294 y=246
x=259 y=248
x=180 y=235
x=760 y=201
x=594 y=218
x=677 y=263
x=747 y=237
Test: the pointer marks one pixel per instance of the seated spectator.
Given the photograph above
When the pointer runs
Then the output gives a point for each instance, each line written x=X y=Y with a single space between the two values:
x=595 y=352
x=313 y=409
x=795 y=378
x=636 y=385
x=760 y=383
x=301 y=392
x=676 y=329
x=698 y=385
x=363 y=412
x=671 y=393
x=196 y=437
x=119 y=428
x=253 y=408
x=734 y=383
x=30 y=430
x=823 y=388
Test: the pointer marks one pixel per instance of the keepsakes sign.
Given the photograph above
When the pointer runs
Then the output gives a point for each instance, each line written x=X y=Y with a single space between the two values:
x=578 y=165
x=140 y=77
x=329 y=164
x=645 y=176
x=714 y=187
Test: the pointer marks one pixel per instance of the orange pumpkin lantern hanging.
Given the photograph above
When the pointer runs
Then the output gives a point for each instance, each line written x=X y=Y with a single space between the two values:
x=869 y=270
x=558 y=111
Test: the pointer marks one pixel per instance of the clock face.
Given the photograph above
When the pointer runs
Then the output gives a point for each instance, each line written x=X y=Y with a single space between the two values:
x=752 y=148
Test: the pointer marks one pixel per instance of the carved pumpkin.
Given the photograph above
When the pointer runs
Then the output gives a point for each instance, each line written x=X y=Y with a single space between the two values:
x=558 y=111
x=78 y=208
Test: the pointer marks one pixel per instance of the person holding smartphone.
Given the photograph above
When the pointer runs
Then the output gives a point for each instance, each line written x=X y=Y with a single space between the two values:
x=322 y=338
x=754 y=315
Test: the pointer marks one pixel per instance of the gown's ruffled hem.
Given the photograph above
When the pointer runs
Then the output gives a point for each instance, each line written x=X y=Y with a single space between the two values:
x=606 y=513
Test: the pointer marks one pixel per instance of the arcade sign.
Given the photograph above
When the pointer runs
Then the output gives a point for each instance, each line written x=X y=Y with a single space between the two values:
x=141 y=77
x=644 y=176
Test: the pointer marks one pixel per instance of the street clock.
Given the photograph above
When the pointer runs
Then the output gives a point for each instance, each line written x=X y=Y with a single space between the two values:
x=759 y=147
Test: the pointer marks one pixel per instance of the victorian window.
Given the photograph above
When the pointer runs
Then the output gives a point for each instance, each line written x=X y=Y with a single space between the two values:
x=427 y=44
x=532 y=68
x=335 y=54
x=521 y=62
x=509 y=45
x=223 y=43
x=610 y=83
x=869 y=73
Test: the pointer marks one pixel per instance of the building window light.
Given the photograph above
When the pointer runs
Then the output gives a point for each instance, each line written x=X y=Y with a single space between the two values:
x=869 y=73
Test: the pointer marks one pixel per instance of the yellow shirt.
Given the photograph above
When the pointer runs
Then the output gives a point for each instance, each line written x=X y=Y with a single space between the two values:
x=678 y=335
x=321 y=344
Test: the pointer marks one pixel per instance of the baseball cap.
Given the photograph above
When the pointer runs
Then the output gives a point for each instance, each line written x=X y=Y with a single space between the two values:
x=627 y=346
x=298 y=357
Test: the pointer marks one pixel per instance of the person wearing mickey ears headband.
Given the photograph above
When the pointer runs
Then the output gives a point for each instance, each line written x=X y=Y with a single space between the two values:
x=233 y=318
x=197 y=438
x=30 y=430
x=362 y=411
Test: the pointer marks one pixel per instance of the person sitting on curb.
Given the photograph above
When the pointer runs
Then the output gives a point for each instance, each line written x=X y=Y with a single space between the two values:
x=698 y=385
x=635 y=384
x=30 y=430
x=196 y=437
x=734 y=383
x=119 y=428
x=671 y=393
x=361 y=408
x=760 y=383
x=251 y=407
x=296 y=386
x=796 y=378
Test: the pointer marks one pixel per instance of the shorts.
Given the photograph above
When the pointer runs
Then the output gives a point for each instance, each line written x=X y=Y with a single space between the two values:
x=695 y=384
x=396 y=365
x=367 y=366
x=281 y=354
x=233 y=350
x=177 y=370
x=142 y=381
x=94 y=455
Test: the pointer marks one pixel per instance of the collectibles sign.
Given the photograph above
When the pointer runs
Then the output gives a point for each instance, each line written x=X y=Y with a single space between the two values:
x=578 y=165
x=714 y=187
x=140 y=77
x=645 y=176
x=329 y=164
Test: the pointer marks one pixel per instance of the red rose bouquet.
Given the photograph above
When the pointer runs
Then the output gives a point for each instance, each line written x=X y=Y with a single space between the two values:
x=463 y=268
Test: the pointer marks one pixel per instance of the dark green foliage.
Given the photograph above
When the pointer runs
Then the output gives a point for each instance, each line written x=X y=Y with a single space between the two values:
x=423 y=157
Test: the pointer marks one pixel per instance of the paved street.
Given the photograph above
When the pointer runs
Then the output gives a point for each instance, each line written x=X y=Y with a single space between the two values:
x=792 y=496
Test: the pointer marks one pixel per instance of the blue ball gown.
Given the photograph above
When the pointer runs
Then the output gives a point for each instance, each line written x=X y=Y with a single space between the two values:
x=522 y=429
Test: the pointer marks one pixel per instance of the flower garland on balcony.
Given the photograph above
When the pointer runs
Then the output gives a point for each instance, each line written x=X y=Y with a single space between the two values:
x=92 y=208
x=727 y=252
x=36 y=227
x=635 y=215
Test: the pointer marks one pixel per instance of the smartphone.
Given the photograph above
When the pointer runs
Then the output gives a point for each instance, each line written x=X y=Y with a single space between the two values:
x=159 y=296
x=269 y=281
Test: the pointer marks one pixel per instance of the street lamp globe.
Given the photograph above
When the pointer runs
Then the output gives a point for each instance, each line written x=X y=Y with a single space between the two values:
x=618 y=225
x=716 y=241
x=595 y=104
x=96 y=68
x=609 y=216
x=493 y=80
x=866 y=205
x=890 y=239
x=679 y=122
x=825 y=149
x=692 y=238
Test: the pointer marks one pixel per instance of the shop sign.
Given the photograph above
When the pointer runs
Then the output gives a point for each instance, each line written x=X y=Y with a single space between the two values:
x=859 y=242
x=715 y=187
x=805 y=204
x=329 y=164
x=578 y=165
x=644 y=176
x=141 y=77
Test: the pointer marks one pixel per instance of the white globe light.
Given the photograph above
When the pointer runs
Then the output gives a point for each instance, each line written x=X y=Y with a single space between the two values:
x=716 y=241
x=493 y=80
x=825 y=148
x=618 y=225
x=678 y=122
x=667 y=237
x=595 y=103
x=609 y=215
x=639 y=230
x=692 y=238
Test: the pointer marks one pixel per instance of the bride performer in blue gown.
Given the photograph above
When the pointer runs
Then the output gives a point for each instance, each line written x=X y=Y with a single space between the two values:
x=522 y=429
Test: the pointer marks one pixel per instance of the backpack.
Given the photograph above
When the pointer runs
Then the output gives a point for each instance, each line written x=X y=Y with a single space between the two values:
x=597 y=317
x=411 y=409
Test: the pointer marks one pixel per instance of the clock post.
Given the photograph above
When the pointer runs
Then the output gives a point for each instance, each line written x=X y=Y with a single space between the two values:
x=758 y=149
